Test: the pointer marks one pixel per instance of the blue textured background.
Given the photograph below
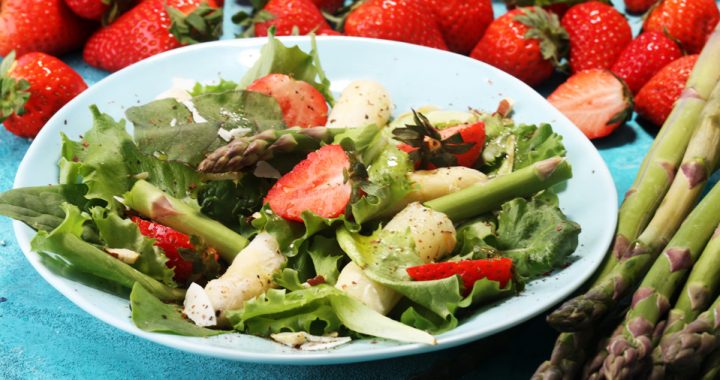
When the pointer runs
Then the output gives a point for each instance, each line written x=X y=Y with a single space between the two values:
x=43 y=335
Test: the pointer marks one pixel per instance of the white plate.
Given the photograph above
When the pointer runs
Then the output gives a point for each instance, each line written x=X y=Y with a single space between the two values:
x=414 y=76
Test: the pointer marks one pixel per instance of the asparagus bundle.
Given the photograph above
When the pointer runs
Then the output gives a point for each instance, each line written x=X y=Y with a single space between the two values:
x=244 y=152
x=711 y=368
x=641 y=200
x=680 y=350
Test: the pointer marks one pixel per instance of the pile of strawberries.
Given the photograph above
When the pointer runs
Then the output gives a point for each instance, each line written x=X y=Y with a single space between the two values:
x=591 y=41
x=111 y=33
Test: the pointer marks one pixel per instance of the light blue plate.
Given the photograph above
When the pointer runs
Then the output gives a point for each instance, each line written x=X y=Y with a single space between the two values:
x=414 y=76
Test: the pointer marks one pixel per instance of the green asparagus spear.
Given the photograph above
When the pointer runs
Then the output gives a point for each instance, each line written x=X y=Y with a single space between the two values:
x=630 y=350
x=244 y=152
x=485 y=196
x=684 y=351
x=711 y=367
x=699 y=293
x=152 y=203
x=650 y=185
x=699 y=161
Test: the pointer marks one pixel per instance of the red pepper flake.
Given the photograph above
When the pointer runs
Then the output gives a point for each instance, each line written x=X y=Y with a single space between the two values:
x=317 y=280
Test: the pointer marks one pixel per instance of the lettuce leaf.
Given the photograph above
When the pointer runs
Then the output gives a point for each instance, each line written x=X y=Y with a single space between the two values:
x=41 y=207
x=111 y=163
x=64 y=245
x=536 y=234
x=152 y=315
x=385 y=255
x=230 y=202
x=276 y=58
x=240 y=109
x=222 y=86
x=510 y=147
x=318 y=310
x=117 y=232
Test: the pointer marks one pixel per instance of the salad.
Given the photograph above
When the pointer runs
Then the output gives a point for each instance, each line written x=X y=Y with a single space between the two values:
x=266 y=206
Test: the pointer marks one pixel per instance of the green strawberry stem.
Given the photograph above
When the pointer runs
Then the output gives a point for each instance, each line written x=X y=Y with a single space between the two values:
x=244 y=152
x=700 y=159
x=484 y=197
x=201 y=25
x=14 y=93
x=153 y=203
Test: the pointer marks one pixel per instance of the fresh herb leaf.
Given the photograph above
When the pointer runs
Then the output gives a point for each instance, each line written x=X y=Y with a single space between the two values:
x=231 y=202
x=240 y=109
x=151 y=314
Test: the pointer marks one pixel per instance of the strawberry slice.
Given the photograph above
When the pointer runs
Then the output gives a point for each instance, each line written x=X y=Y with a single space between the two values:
x=470 y=133
x=315 y=184
x=170 y=241
x=499 y=270
x=301 y=104
x=596 y=101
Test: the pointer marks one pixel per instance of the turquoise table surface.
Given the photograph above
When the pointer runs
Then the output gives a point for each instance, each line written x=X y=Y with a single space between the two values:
x=44 y=336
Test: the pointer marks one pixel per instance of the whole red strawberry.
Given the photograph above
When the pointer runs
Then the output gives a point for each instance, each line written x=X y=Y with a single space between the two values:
x=330 y=6
x=32 y=89
x=688 y=21
x=643 y=57
x=655 y=100
x=525 y=42
x=99 y=10
x=149 y=29
x=40 y=25
x=397 y=20
x=290 y=16
x=462 y=22
x=598 y=34
x=638 y=6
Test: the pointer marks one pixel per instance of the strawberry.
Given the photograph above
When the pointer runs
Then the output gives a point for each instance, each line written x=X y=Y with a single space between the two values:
x=316 y=184
x=470 y=271
x=397 y=20
x=598 y=34
x=290 y=16
x=330 y=6
x=99 y=10
x=688 y=21
x=643 y=57
x=656 y=99
x=301 y=104
x=596 y=101
x=430 y=148
x=171 y=242
x=41 y=26
x=462 y=22
x=525 y=42
x=152 y=27
x=638 y=6
x=32 y=89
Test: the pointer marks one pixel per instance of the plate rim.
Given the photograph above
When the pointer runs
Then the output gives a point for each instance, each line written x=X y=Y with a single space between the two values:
x=189 y=344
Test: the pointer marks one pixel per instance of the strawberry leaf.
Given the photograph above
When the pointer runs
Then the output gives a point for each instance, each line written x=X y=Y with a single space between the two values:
x=14 y=93
x=201 y=25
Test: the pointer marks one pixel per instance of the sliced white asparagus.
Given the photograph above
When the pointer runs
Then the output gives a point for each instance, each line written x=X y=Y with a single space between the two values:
x=308 y=342
x=434 y=237
x=356 y=284
x=431 y=184
x=432 y=231
x=249 y=275
x=362 y=103
x=198 y=307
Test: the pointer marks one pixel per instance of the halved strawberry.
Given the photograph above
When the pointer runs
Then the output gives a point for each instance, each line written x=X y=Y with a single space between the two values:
x=469 y=270
x=302 y=105
x=170 y=241
x=316 y=184
x=596 y=101
x=430 y=148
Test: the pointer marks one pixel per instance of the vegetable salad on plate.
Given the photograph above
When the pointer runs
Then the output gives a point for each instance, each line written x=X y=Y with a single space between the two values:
x=265 y=206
